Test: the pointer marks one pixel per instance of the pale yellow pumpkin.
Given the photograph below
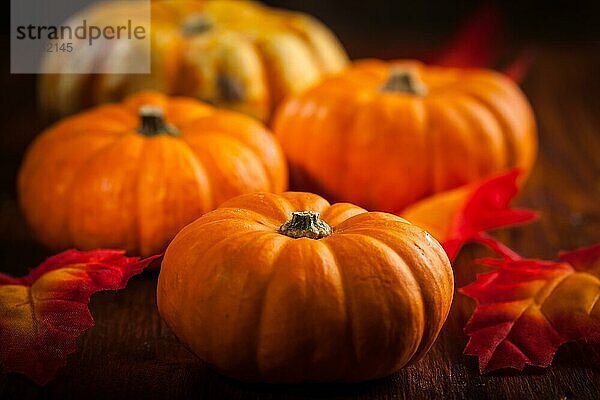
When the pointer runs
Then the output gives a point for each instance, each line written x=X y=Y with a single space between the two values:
x=235 y=54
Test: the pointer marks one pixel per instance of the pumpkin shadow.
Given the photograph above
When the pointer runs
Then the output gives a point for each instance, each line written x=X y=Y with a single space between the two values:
x=578 y=355
x=302 y=181
x=311 y=390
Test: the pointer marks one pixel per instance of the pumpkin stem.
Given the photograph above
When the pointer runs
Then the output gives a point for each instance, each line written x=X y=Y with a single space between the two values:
x=153 y=122
x=196 y=24
x=404 y=81
x=306 y=224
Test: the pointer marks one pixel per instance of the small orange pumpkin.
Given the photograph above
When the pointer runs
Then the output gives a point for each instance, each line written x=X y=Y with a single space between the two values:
x=131 y=175
x=288 y=288
x=383 y=135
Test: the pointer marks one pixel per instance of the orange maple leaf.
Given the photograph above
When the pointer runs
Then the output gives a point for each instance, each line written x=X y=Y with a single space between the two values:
x=467 y=213
x=43 y=313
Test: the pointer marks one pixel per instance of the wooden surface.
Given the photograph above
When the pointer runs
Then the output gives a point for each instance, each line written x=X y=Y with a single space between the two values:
x=131 y=354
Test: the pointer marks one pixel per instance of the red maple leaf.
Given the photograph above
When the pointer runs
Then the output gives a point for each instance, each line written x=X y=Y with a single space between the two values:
x=526 y=309
x=477 y=42
x=480 y=43
x=42 y=314
x=467 y=213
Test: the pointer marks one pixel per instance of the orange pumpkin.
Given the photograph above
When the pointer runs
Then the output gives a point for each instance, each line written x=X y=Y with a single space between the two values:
x=236 y=54
x=383 y=135
x=288 y=288
x=131 y=175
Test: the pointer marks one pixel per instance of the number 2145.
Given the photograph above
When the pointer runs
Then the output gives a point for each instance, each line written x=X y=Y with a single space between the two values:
x=59 y=47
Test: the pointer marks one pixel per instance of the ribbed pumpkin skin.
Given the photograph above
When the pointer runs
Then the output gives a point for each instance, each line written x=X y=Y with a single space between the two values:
x=351 y=141
x=248 y=58
x=92 y=181
x=260 y=306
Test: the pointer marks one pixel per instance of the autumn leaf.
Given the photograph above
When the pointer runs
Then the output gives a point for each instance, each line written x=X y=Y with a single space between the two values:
x=480 y=43
x=42 y=314
x=477 y=42
x=465 y=214
x=517 y=69
x=526 y=309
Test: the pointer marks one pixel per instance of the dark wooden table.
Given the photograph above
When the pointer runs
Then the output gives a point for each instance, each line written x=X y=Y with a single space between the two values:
x=131 y=354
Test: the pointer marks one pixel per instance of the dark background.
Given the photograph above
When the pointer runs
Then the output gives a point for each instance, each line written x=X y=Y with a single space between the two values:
x=130 y=353
x=367 y=26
